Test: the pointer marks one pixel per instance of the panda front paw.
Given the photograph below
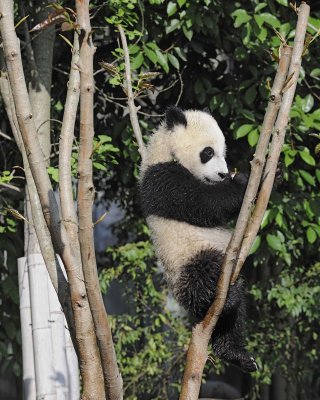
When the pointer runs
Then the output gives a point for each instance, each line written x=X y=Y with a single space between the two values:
x=248 y=365
x=240 y=178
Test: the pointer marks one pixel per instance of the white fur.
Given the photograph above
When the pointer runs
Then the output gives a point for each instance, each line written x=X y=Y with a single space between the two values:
x=184 y=144
x=177 y=242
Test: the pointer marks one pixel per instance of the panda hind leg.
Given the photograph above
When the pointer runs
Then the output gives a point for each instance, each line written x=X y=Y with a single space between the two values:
x=228 y=340
x=196 y=287
x=195 y=290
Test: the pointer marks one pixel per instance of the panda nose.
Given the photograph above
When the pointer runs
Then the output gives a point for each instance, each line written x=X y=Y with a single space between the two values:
x=222 y=175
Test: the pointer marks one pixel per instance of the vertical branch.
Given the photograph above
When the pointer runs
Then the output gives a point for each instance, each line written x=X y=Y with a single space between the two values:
x=277 y=140
x=112 y=376
x=68 y=211
x=86 y=343
x=132 y=108
x=201 y=334
x=259 y=158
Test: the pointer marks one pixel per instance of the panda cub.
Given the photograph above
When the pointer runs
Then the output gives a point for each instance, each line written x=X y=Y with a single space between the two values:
x=188 y=197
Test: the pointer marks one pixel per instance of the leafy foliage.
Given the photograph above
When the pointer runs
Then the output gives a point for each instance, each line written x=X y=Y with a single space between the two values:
x=150 y=340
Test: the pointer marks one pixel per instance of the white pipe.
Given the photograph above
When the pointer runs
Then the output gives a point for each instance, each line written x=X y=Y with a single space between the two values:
x=28 y=375
x=58 y=326
x=41 y=329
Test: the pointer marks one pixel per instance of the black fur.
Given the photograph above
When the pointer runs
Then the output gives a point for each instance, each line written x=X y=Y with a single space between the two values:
x=197 y=285
x=169 y=190
x=175 y=116
x=196 y=292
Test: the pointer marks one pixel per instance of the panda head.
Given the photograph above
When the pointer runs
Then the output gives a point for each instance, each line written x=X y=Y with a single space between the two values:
x=193 y=139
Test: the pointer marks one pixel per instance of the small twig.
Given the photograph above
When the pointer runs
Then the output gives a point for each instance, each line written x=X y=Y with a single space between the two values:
x=132 y=107
x=5 y=136
x=311 y=89
x=9 y=186
x=181 y=88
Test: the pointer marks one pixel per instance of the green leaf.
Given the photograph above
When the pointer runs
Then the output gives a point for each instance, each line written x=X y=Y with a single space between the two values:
x=248 y=115
x=289 y=157
x=307 y=177
x=181 y=2
x=137 y=62
x=171 y=8
x=250 y=94
x=255 y=245
x=315 y=73
x=162 y=60
x=173 y=60
x=187 y=33
x=283 y=2
x=10 y=329
x=244 y=130
x=271 y=20
x=99 y=166
x=307 y=157
x=241 y=17
x=54 y=173
x=311 y=235
x=274 y=242
x=307 y=103
x=133 y=49
x=151 y=55
x=260 y=6
x=253 y=137
x=180 y=53
x=174 y=24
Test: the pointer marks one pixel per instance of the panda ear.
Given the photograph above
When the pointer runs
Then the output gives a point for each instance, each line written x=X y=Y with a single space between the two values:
x=175 y=116
x=207 y=110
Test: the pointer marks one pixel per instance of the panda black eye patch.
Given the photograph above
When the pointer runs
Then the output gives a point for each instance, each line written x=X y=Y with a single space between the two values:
x=206 y=154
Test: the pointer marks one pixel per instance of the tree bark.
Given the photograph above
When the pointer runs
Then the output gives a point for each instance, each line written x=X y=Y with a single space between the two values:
x=132 y=107
x=112 y=376
x=90 y=365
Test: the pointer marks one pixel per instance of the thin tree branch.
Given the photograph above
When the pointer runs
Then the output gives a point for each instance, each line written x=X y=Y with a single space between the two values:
x=277 y=140
x=202 y=332
x=86 y=343
x=6 y=136
x=112 y=377
x=132 y=108
x=68 y=211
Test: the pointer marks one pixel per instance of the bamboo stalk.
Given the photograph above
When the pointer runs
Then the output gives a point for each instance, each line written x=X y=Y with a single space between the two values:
x=112 y=377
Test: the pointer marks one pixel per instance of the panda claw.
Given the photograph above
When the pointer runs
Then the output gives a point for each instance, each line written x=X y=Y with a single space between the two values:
x=249 y=365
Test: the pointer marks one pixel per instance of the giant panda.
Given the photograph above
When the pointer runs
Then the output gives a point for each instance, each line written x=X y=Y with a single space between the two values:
x=188 y=197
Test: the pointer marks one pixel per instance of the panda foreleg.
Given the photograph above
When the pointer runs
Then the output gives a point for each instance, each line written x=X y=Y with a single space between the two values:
x=228 y=339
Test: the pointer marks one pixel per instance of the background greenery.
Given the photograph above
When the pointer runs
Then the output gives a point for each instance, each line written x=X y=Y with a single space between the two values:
x=206 y=53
